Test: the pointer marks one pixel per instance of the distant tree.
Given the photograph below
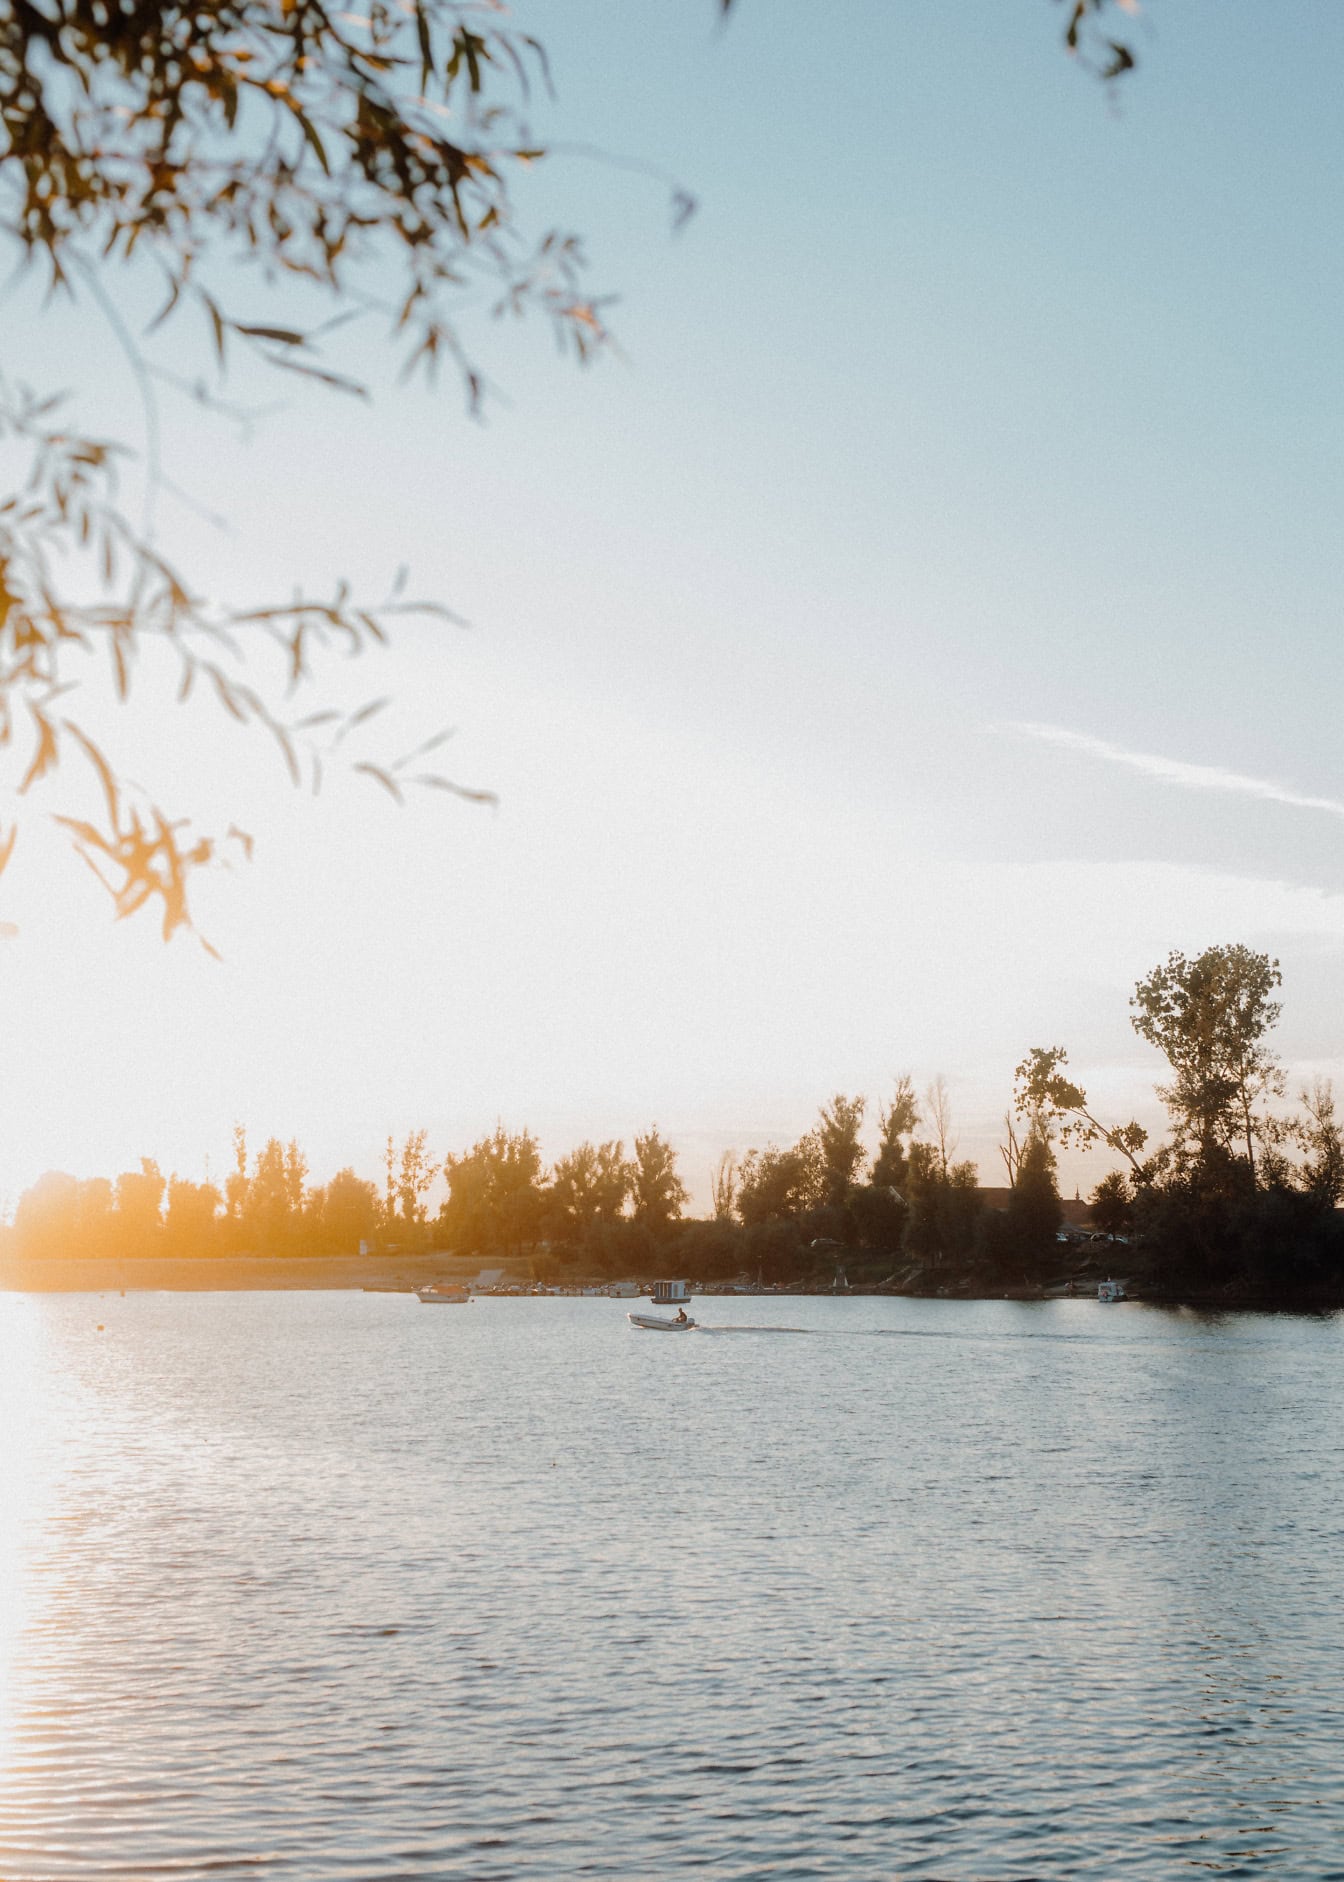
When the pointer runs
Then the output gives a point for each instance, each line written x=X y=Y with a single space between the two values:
x=1050 y=1101
x=938 y=1113
x=571 y=1206
x=614 y=1181
x=962 y=1208
x=590 y=1186
x=657 y=1192
x=93 y=1215
x=1011 y=1149
x=416 y=1172
x=723 y=1186
x=1033 y=1212
x=390 y=1184
x=896 y=1121
x=269 y=1216
x=138 y=1198
x=191 y=1221
x=346 y=1212
x=944 y=1207
x=1112 y=1204
x=712 y=1251
x=46 y=1220
x=774 y=1251
x=494 y=1196
x=878 y=1212
x=236 y=1183
x=842 y=1155
x=1210 y=1017
x=296 y=1177
x=780 y=1185
x=924 y=1175
x=1321 y=1136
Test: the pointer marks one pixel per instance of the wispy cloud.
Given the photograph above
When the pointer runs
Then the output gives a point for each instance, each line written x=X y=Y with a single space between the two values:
x=1185 y=777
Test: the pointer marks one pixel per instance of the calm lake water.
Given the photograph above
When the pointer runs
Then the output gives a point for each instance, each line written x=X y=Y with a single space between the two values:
x=333 y=1585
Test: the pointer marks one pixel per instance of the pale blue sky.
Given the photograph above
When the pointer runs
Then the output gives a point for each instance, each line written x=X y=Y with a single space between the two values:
x=971 y=399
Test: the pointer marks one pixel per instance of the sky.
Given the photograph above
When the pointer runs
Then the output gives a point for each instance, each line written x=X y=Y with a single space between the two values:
x=923 y=624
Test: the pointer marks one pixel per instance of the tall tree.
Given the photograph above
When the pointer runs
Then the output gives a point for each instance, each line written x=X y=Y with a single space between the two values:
x=1112 y=1204
x=345 y=1213
x=390 y=1183
x=1011 y=1149
x=1321 y=1135
x=269 y=1214
x=235 y=1183
x=494 y=1196
x=1033 y=1207
x=296 y=1177
x=944 y=1207
x=779 y=1185
x=838 y=1133
x=723 y=1186
x=895 y=1123
x=590 y=1186
x=1210 y=1017
x=416 y=1172
x=1048 y=1099
x=46 y=1220
x=658 y=1193
x=136 y=1214
x=938 y=1112
x=191 y=1221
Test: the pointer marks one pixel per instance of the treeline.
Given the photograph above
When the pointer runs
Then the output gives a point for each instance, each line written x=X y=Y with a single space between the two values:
x=912 y=1216
x=499 y=1200
x=1241 y=1198
x=265 y=1205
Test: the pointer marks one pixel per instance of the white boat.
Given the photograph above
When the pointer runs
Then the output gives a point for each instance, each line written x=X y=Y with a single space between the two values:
x=666 y=1294
x=434 y=1296
x=1111 y=1290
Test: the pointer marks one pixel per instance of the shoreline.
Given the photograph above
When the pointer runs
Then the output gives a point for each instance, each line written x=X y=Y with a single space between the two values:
x=394 y=1274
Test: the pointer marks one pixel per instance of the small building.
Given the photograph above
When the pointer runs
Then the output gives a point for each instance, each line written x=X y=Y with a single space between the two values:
x=1074 y=1213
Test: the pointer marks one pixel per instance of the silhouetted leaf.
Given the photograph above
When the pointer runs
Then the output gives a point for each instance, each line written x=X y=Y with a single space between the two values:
x=283 y=336
x=380 y=776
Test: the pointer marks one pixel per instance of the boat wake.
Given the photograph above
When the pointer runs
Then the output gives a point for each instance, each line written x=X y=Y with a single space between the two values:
x=807 y=1330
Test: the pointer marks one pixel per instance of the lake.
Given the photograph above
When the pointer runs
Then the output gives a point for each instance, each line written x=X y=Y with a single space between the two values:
x=336 y=1585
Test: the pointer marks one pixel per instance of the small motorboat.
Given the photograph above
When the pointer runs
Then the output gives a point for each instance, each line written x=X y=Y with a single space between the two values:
x=666 y=1294
x=1110 y=1291
x=435 y=1296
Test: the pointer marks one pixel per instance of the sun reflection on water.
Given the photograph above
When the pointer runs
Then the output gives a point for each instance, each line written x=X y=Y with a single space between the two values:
x=27 y=1443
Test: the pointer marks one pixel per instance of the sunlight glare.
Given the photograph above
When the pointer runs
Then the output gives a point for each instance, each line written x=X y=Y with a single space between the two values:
x=25 y=1447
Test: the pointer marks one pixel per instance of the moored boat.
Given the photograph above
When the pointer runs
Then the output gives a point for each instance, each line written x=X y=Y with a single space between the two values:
x=1111 y=1290
x=435 y=1296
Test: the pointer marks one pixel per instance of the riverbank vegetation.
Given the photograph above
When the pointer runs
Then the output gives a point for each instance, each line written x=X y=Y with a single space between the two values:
x=1240 y=1200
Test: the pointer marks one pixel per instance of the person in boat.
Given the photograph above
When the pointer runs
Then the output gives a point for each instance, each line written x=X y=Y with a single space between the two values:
x=681 y=1315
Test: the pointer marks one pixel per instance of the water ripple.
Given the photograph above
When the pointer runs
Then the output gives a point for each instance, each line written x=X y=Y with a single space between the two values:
x=324 y=1586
